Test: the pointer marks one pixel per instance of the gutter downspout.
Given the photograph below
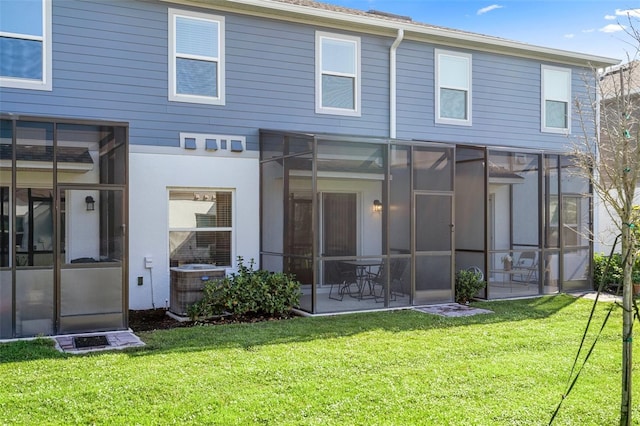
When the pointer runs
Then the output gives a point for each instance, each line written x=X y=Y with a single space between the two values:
x=392 y=83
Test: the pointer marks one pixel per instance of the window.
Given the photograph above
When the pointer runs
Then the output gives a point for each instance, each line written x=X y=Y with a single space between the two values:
x=196 y=57
x=453 y=87
x=200 y=227
x=25 y=44
x=337 y=74
x=556 y=94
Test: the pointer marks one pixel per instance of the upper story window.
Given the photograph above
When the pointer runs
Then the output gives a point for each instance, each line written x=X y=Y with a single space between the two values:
x=25 y=44
x=556 y=96
x=337 y=74
x=453 y=87
x=196 y=57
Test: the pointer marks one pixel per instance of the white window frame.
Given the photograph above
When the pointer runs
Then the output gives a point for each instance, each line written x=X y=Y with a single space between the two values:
x=459 y=55
x=27 y=83
x=232 y=228
x=320 y=108
x=173 y=56
x=544 y=99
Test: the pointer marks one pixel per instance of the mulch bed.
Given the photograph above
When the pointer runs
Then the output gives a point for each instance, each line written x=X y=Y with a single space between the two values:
x=157 y=319
x=153 y=319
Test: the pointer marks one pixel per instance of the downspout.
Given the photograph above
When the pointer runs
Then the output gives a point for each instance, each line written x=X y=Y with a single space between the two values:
x=392 y=83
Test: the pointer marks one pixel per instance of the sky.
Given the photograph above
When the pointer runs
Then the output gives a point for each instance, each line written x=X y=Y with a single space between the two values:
x=594 y=27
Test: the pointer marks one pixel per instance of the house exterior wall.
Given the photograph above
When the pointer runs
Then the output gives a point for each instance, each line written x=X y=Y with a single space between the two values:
x=505 y=94
x=110 y=63
x=605 y=229
x=152 y=175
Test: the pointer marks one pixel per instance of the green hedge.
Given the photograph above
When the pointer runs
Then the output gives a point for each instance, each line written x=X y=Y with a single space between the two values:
x=247 y=292
x=615 y=274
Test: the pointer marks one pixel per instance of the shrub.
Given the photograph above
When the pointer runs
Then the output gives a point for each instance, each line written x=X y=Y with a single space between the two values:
x=614 y=275
x=468 y=283
x=248 y=291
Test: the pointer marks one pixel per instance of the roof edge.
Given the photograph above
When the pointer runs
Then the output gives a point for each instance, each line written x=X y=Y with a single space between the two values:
x=413 y=30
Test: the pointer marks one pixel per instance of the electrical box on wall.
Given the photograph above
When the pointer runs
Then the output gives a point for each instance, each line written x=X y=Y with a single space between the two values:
x=148 y=262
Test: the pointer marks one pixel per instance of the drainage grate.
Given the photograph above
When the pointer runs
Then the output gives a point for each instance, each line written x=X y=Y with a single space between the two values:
x=90 y=341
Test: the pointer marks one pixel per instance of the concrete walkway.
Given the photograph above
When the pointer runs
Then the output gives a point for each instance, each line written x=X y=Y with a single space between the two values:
x=604 y=297
x=458 y=310
x=452 y=310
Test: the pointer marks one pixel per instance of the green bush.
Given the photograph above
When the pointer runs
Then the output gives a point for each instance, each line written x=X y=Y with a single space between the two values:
x=247 y=292
x=468 y=283
x=614 y=274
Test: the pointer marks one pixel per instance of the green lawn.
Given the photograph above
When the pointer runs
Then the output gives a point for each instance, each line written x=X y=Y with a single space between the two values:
x=386 y=368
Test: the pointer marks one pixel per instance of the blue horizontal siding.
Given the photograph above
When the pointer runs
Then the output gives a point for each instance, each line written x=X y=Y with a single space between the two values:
x=110 y=62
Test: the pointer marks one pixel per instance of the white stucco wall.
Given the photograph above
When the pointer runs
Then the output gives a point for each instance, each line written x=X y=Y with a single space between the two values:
x=152 y=174
x=605 y=229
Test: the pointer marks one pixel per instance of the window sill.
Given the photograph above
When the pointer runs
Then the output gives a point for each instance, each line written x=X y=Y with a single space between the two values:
x=23 y=83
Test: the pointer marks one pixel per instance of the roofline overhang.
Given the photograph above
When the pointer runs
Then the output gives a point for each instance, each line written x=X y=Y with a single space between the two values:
x=389 y=27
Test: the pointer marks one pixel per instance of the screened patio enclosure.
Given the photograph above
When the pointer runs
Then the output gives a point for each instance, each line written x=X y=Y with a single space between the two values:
x=63 y=248
x=523 y=218
x=362 y=223
x=367 y=223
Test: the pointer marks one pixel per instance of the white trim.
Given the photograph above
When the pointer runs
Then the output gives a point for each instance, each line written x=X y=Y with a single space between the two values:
x=338 y=175
x=176 y=150
x=437 y=86
x=543 y=126
x=320 y=109
x=21 y=36
x=46 y=82
x=173 y=55
x=45 y=165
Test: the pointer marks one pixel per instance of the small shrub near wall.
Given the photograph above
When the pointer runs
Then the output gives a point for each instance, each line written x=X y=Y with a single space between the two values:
x=248 y=292
x=613 y=277
x=468 y=284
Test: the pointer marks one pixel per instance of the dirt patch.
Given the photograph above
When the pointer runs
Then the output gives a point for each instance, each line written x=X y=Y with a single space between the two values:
x=157 y=319
x=153 y=319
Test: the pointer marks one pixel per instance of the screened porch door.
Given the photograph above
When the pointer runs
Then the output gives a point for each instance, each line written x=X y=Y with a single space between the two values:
x=433 y=230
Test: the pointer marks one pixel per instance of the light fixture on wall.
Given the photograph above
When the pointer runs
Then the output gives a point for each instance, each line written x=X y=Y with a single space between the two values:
x=91 y=203
x=377 y=206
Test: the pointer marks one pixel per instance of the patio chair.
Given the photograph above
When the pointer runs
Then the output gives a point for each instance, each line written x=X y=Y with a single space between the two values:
x=528 y=264
x=341 y=276
x=397 y=269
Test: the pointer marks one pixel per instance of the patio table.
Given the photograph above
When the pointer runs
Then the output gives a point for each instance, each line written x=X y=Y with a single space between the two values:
x=363 y=273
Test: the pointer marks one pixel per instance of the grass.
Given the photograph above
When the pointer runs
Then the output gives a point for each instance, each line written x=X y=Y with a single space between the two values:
x=386 y=368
